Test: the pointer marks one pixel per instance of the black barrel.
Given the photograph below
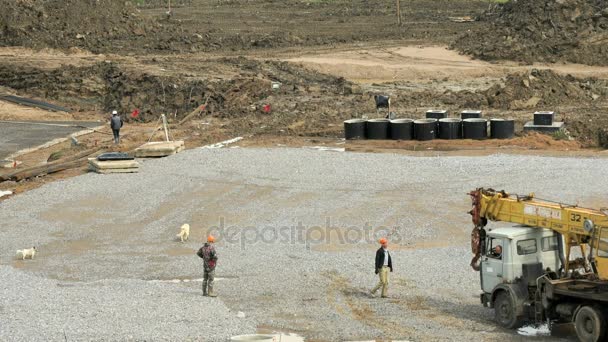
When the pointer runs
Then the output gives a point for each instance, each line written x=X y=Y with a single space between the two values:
x=450 y=128
x=436 y=114
x=543 y=118
x=354 y=129
x=377 y=129
x=470 y=114
x=402 y=129
x=425 y=129
x=475 y=129
x=502 y=129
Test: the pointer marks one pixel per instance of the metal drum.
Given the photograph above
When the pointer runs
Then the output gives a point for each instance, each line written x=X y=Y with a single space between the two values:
x=502 y=129
x=543 y=118
x=425 y=129
x=450 y=128
x=354 y=129
x=402 y=129
x=377 y=129
x=475 y=129
x=436 y=114
x=470 y=114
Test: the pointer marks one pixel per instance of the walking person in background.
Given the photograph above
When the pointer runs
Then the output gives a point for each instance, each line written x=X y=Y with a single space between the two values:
x=209 y=256
x=116 y=124
x=383 y=265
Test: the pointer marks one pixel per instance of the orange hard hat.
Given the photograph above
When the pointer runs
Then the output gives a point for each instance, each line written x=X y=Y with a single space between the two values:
x=383 y=241
x=210 y=238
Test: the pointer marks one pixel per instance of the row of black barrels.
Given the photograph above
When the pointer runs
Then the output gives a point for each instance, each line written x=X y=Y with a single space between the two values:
x=428 y=129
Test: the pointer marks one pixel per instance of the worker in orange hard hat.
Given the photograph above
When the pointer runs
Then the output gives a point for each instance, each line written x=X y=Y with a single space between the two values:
x=209 y=256
x=383 y=265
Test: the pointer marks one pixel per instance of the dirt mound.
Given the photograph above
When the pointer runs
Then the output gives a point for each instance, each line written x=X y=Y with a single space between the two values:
x=108 y=86
x=142 y=26
x=548 y=31
x=545 y=88
x=519 y=91
x=60 y=23
x=99 y=26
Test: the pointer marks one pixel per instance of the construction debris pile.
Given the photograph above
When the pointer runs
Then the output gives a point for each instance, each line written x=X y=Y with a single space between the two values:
x=541 y=31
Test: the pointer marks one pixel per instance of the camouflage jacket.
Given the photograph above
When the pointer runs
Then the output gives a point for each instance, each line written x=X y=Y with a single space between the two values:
x=209 y=256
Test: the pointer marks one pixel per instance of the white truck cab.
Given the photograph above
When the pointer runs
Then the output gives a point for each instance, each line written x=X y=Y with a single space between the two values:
x=508 y=250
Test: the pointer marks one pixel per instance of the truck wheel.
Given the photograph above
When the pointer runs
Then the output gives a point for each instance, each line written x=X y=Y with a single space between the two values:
x=504 y=311
x=590 y=324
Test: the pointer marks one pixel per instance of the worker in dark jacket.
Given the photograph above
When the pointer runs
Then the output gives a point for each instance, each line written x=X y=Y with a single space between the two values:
x=116 y=124
x=209 y=256
x=383 y=265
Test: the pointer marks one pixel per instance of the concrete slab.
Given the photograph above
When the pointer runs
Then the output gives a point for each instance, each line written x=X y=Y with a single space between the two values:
x=18 y=135
x=113 y=166
x=556 y=126
x=159 y=149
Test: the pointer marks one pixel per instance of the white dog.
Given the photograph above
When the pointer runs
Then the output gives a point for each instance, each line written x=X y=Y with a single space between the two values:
x=184 y=232
x=27 y=253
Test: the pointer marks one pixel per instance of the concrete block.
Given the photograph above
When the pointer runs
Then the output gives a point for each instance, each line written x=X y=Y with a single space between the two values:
x=159 y=149
x=556 y=126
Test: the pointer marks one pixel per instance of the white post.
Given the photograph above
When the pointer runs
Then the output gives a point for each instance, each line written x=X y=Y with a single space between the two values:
x=165 y=126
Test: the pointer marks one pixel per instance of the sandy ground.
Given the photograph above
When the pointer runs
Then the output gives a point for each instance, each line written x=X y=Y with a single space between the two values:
x=423 y=64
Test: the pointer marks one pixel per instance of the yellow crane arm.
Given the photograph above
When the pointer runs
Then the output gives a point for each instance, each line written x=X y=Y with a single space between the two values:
x=587 y=228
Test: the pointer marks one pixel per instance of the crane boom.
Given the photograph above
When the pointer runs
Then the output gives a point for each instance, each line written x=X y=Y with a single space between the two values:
x=583 y=227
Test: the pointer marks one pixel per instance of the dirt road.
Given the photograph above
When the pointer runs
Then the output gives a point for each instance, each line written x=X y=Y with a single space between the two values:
x=423 y=64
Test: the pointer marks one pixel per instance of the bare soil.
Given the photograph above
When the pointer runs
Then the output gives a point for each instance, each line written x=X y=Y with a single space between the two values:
x=329 y=57
x=531 y=31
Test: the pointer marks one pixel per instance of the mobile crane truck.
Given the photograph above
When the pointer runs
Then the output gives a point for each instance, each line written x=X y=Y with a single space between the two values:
x=552 y=267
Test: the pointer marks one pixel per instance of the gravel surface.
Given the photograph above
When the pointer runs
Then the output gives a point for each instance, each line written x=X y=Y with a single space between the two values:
x=108 y=256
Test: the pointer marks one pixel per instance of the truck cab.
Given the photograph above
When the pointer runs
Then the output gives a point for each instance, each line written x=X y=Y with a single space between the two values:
x=516 y=255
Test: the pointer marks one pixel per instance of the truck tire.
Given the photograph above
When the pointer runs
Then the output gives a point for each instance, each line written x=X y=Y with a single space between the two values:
x=590 y=324
x=504 y=311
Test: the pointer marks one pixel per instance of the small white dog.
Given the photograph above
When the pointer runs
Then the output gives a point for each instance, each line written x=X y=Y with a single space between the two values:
x=184 y=232
x=27 y=253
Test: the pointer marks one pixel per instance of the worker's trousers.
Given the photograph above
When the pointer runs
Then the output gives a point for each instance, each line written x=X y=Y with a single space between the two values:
x=208 y=277
x=383 y=283
x=116 y=135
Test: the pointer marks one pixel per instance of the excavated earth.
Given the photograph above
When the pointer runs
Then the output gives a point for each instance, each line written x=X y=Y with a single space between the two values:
x=530 y=31
x=284 y=73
